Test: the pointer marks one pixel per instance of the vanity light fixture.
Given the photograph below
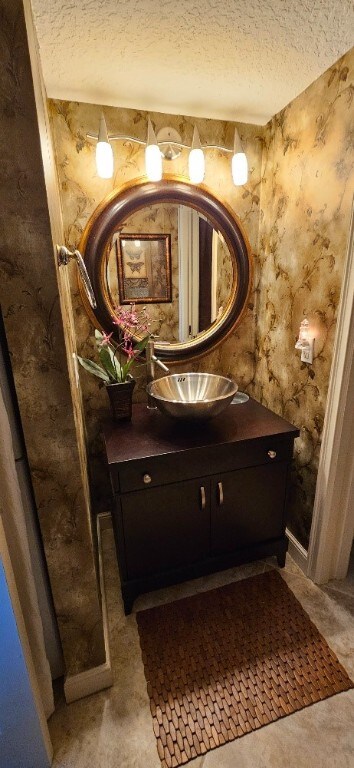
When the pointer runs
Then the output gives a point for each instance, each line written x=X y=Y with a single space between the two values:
x=305 y=342
x=167 y=145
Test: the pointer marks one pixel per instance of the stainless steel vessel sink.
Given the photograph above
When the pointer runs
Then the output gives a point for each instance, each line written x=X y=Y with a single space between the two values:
x=192 y=395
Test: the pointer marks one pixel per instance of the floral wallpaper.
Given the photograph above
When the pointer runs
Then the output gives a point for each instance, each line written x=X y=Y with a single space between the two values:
x=81 y=191
x=34 y=328
x=295 y=209
x=306 y=198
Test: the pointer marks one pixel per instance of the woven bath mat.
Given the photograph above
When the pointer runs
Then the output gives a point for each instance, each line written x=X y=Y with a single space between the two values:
x=226 y=662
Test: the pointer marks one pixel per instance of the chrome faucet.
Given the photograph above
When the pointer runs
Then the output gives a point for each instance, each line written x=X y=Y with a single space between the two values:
x=151 y=360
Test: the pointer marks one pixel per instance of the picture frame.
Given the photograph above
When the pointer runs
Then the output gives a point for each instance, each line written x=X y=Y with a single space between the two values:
x=144 y=268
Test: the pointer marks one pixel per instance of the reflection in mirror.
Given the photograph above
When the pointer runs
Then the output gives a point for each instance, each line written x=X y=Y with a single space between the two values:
x=144 y=267
x=181 y=268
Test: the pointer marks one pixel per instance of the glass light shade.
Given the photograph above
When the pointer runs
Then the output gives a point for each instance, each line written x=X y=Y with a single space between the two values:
x=304 y=336
x=153 y=162
x=239 y=169
x=104 y=160
x=196 y=166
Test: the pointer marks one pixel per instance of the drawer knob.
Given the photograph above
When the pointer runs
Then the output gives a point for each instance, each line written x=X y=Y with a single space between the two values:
x=147 y=479
x=272 y=454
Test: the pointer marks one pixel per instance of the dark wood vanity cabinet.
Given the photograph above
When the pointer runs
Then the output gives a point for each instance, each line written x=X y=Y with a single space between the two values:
x=192 y=498
x=248 y=507
x=164 y=528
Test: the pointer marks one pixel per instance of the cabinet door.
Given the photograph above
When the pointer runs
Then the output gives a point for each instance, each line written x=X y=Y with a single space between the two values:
x=166 y=527
x=247 y=507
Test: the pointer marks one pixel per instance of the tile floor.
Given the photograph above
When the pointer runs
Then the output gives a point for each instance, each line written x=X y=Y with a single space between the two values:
x=113 y=729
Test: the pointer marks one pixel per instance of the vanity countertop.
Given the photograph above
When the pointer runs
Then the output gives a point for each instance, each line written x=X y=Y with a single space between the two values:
x=150 y=433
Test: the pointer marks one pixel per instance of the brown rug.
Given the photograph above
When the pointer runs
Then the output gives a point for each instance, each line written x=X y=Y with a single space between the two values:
x=226 y=662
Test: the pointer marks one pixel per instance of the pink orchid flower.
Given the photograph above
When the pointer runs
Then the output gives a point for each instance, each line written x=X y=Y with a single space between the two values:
x=106 y=337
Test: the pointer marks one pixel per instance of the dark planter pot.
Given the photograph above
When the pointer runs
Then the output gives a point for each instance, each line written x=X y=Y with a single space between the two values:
x=121 y=398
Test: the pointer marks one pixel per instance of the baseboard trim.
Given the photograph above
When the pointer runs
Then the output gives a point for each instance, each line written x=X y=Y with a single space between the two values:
x=88 y=682
x=104 y=521
x=101 y=677
x=297 y=551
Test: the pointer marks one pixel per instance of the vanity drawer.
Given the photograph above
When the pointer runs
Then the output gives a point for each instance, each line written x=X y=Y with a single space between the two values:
x=160 y=470
x=186 y=465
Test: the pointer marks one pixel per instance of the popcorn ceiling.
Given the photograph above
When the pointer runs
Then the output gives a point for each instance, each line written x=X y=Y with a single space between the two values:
x=238 y=60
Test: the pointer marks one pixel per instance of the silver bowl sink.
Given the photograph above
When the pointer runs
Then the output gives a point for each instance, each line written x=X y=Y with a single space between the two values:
x=192 y=395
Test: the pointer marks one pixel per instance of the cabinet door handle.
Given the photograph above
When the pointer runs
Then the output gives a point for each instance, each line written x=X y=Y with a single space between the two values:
x=221 y=494
x=147 y=479
x=202 y=496
x=272 y=454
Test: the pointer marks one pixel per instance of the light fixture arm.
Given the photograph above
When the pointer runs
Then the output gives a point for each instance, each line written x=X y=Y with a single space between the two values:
x=142 y=142
x=116 y=137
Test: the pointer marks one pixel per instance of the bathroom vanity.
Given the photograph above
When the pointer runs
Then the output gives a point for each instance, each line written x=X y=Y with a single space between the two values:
x=193 y=498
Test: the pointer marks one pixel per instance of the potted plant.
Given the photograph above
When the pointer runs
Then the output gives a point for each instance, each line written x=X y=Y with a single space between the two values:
x=117 y=358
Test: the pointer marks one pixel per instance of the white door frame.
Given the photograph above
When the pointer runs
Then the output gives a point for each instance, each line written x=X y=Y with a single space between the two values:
x=188 y=264
x=333 y=516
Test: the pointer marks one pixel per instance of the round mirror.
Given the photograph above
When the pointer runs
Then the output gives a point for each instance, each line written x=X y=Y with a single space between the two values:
x=176 y=249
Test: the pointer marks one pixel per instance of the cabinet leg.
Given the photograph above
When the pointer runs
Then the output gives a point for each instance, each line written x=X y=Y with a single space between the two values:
x=281 y=559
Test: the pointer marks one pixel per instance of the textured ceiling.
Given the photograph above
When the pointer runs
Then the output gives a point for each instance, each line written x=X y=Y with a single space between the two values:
x=231 y=59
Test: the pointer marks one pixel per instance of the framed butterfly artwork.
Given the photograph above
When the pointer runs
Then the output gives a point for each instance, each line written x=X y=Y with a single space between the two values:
x=144 y=268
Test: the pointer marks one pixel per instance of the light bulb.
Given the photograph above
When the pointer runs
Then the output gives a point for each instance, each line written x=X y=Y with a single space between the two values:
x=153 y=163
x=239 y=169
x=104 y=160
x=153 y=157
x=239 y=164
x=196 y=160
x=104 y=153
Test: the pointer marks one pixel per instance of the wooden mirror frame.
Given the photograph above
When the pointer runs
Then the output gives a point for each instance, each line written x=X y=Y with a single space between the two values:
x=112 y=213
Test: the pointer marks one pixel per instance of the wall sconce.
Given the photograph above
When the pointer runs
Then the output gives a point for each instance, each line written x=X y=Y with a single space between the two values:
x=305 y=342
x=168 y=145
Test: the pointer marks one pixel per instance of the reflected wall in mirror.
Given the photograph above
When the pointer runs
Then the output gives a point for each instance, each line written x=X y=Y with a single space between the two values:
x=171 y=257
x=198 y=291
